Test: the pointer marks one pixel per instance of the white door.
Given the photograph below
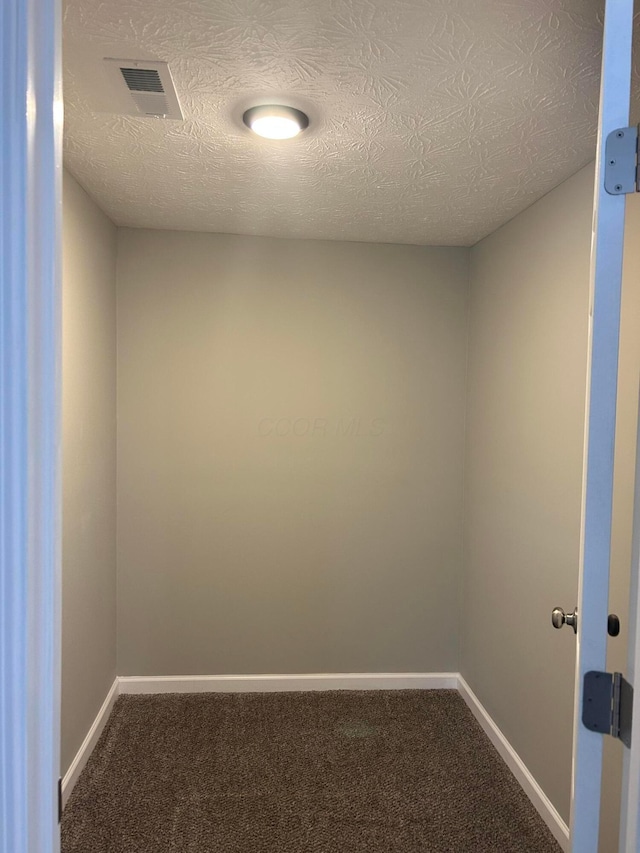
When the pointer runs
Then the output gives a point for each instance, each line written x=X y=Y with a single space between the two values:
x=606 y=278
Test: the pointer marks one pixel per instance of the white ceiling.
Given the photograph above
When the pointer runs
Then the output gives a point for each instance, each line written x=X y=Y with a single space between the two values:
x=432 y=121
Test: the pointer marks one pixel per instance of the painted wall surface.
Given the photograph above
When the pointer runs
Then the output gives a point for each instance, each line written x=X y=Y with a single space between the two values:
x=89 y=464
x=290 y=455
x=525 y=420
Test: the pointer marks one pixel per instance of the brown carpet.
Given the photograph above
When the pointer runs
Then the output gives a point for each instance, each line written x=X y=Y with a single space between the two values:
x=335 y=772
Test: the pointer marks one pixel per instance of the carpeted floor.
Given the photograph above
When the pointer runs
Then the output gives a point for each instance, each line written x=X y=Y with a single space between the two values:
x=338 y=772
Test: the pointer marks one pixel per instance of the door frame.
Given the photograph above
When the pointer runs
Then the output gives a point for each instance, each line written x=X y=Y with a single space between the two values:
x=30 y=242
x=30 y=331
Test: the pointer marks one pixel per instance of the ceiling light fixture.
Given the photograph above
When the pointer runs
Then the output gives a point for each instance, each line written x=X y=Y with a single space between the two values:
x=276 y=122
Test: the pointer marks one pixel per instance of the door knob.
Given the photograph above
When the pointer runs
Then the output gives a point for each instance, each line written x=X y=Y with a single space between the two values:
x=560 y=618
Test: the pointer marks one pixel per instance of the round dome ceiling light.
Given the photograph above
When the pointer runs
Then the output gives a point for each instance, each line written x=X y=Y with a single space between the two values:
x=276 y=122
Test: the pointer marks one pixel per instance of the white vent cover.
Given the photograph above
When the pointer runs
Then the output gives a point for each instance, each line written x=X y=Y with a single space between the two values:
x=143 y=88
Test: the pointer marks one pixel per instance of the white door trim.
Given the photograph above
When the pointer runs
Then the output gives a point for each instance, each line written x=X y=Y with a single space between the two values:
x=89 y=743
x=140 y=684
x=600 y=424
x=523 y=775
x=31 y=134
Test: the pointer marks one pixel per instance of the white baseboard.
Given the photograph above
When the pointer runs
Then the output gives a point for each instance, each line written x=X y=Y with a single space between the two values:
x=88 y=744
x=532 y=789
x=333 y=681
x=288 y=683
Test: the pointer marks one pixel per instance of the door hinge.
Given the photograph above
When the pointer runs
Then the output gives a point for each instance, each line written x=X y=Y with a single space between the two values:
x=607 y=704
x=59 y=799
x=621 y=161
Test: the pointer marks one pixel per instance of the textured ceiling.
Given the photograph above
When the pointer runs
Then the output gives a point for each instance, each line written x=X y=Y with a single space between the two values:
x=432 y=121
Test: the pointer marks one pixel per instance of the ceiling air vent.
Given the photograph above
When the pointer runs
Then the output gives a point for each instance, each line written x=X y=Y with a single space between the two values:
x=144 y=88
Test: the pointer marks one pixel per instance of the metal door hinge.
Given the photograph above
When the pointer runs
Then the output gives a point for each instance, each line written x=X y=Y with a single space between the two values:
x=607 y=704
x=621 y=161
x=59 y=800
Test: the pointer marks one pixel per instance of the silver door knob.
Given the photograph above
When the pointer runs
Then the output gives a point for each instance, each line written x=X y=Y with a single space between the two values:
x=560 y=618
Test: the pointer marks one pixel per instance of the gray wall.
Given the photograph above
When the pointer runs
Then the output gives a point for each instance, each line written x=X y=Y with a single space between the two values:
x=290 y=436
x=89 y=464
x=525 y=421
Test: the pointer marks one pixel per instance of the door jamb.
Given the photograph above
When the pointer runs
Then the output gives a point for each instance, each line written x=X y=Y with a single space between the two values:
x=30 y=207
